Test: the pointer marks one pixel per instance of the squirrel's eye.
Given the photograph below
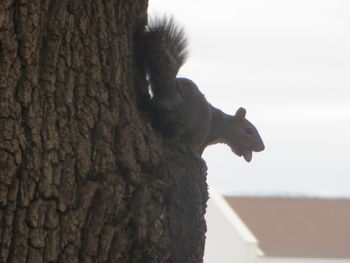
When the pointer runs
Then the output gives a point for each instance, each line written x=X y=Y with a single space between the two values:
x=248 y=131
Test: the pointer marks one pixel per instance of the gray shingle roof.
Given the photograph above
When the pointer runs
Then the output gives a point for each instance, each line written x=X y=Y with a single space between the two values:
x=297 y=227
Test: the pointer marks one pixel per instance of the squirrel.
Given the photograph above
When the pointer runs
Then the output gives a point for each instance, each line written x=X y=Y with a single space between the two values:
x=179 y=108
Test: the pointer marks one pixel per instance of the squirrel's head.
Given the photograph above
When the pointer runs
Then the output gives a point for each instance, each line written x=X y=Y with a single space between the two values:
x=243 y=137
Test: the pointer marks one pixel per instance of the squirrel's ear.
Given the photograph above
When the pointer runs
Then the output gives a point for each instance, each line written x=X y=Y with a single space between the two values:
x=240 y=113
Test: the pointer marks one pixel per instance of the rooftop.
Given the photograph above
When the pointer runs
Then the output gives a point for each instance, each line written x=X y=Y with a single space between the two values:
x=297 y=227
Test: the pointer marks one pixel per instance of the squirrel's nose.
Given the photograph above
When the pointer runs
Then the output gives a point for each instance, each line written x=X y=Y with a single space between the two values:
x=260 y=148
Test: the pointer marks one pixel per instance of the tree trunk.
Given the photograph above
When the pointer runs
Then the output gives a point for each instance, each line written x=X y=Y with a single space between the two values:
x=84 y=176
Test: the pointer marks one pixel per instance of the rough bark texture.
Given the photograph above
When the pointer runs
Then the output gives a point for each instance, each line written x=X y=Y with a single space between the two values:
x=84 y=177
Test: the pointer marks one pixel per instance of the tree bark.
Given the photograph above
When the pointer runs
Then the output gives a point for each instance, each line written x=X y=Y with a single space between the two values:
x=84 y=176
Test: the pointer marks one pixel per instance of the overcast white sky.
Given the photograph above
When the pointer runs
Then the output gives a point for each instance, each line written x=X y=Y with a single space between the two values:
x=288 y=64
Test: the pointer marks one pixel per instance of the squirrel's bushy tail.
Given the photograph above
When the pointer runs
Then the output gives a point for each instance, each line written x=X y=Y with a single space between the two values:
x=164 y=51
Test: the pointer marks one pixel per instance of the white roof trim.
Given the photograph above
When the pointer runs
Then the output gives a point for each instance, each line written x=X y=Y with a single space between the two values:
x=233 y=218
